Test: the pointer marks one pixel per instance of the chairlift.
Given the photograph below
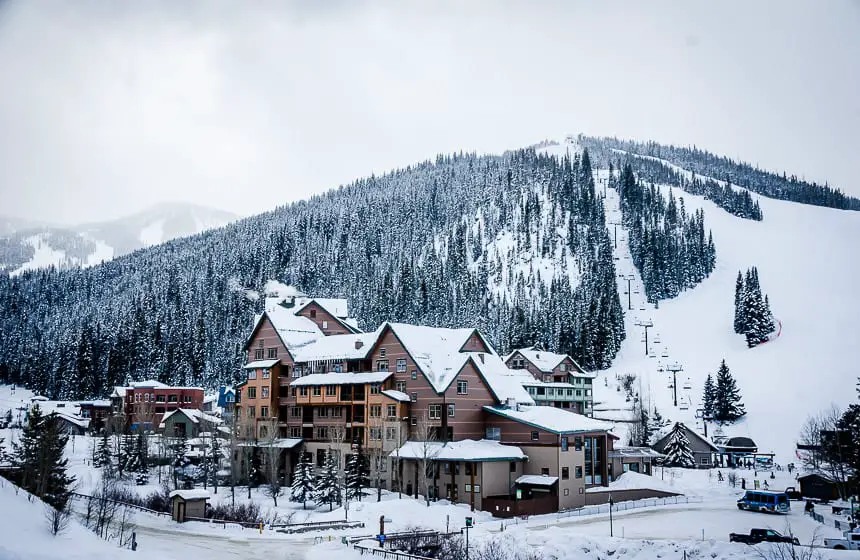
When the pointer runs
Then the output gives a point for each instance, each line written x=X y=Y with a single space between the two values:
x=665 y=354
x=635 y=291
x=671 y=386
x=683 y=406
x=642 y=308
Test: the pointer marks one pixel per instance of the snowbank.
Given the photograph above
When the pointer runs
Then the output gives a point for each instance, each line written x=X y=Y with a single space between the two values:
x=635 y=481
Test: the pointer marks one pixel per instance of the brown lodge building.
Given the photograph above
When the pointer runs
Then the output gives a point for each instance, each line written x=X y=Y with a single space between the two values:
x=439 y=412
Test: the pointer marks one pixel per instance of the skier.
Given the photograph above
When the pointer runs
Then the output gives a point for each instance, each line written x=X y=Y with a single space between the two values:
x=772 y=476
x=743 y=484
x=719 y=476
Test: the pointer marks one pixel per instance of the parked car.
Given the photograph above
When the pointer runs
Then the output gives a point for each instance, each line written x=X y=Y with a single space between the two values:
x=849 y=541
x=761 y=535
x=766 y=501
x=793 y=493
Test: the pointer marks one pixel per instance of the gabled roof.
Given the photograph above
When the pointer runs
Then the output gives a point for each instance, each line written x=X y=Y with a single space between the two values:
x=543 y=360
x=260 y=364
x=551 y=419
x=192 y=414
x=336 y=307
x=198 y=494
x=338 y=347
x=73 y=419
x=293 y=330
x=666 y=430
x=435 y=350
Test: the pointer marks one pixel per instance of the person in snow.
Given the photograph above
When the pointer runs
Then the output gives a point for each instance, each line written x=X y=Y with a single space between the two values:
x=809 y=507
x=743 y=484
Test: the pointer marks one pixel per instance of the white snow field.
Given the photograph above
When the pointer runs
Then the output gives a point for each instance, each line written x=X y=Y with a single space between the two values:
x=808 y=261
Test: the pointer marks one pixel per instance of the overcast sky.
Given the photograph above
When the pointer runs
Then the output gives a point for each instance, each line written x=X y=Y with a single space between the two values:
x=109 y=107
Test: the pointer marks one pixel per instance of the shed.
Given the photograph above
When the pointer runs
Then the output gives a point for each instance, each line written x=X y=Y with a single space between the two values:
x=818 y=486
x=188 y=503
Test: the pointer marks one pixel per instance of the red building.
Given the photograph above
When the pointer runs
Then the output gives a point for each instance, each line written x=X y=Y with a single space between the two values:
x=144 y=403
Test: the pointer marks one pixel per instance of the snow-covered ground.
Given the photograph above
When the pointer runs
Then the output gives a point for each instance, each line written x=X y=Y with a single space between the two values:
x=807 y=260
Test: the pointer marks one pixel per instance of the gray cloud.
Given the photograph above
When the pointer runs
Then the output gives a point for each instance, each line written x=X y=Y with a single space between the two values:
x=109 y=107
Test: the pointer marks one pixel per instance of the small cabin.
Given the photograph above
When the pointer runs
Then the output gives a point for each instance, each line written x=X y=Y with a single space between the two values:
x=187 y=504
x=818 y=486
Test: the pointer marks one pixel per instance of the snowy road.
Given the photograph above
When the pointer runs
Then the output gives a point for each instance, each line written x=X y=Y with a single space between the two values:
x=156 y=542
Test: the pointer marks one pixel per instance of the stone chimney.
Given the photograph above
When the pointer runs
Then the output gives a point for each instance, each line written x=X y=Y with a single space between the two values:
x=358 y=344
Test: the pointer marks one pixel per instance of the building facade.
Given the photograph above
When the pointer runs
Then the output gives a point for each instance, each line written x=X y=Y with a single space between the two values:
x=142 y=405
x=554 y=379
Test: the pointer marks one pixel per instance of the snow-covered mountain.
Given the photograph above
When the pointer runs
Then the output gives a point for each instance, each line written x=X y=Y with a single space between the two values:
x=807 y=259
x=27 y=245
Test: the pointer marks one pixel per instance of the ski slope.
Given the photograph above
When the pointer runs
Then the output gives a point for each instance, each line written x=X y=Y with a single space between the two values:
x=808 y=261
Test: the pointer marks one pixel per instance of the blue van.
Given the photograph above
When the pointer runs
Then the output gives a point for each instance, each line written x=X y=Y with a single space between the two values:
x=765 y=501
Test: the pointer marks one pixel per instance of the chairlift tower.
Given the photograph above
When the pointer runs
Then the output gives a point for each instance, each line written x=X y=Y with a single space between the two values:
x=646 y=325
x=629 y=278
x=675 y=368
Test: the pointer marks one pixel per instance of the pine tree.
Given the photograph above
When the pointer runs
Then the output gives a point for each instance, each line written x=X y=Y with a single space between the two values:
x=677 y=449
x=103 y=456
x=180 y=461
x=357 y=475
x=304 y=481
x=657 y=423
x=39 y=456
x=727 y=397
x=709 y=397
x=740 y=322
x=327 y=489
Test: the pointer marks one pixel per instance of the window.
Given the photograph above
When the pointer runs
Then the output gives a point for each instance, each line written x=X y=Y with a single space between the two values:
x=272 y=353
x=296 y=412
x=578 y=392
x=322 y=412
x=565 y=473
x=512 y=467
x=390 y=434
x=564 y=443
x=264 y=432
x=317 y=391
x=577 y=472
x=476 y=489
x=382 y=352
x=264 y=411
x=462 y=387
x=577 y=443
x=313 y=313
x=535 y=436
x=337 y=367
x=468 y=486
x=570 y=392
x=261 y=343
x=374 y=388
x=451 y=411
x=382 y=365
x=292 y=391
x=265 y=392
x=252 y=393
x=322 y=432
x=414 y=420
x=494 y=433
x=401 y=365
x=252 y=374
x=563 y=367
x=391 y=410
x=145 y=398
x=172 y=398
x=547 y=378
x=704 y=461
x=567 y=491
x=265 y=373
x=295 y=431
x=259 y=353
x=325 y=324
x=376 y=411
x=331 y=390
x=413 y=397
x=468 y=468
x=435 y=411
x=376 y=434
x=414 y=374
x=252 y=412
x=160 y=398
x=544 y=471
x=303 y=391
x=401 y=386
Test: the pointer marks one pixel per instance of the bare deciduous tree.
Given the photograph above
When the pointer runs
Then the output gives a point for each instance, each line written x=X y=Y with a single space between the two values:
x=427 y=448
x=58 y=518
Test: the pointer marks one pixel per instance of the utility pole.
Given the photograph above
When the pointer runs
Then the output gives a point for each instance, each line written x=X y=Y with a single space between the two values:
x=675 y=368
x=647 y=325
x=629 y=278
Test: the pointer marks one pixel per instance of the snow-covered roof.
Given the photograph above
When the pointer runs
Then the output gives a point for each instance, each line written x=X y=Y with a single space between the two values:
x=635 y=481
x=210 y=398
x=551 y=419
x=103 y=403
x=463 y=450
x=495 y=373
x=345 y=378
x=294 y=330
x=193 y=414
x=68 y=408
x=197 y=494
x=260 y=364
x=537 y=479
x=436 y=350
x=76 y=420
x=634 y=452
x=338 y=307
x=338 y=347
x=147 y=384
x=118 y=392
x=396 y=395
x=543 y=360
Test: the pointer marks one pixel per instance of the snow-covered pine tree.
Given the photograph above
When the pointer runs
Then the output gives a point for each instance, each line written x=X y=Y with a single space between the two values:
x=328 y=489
x=357 y=475
x=304 y=481
x=180 y=461
x=727 y=397
x=103 y=456
x=739 y=322
x=39 y=454
x=709 y=397
x=677 y=449
x=657 y=423
x=127 y=458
